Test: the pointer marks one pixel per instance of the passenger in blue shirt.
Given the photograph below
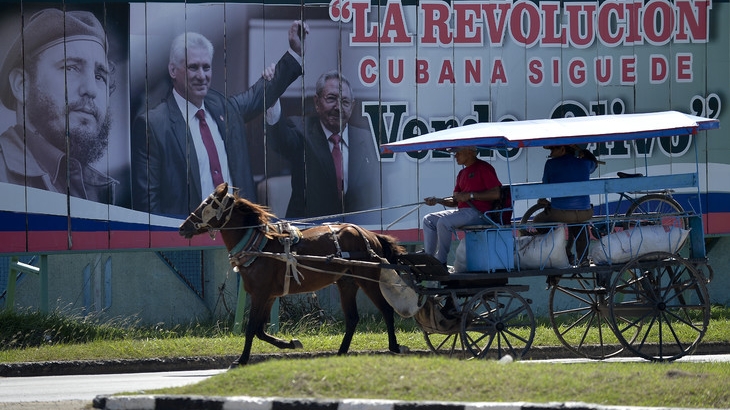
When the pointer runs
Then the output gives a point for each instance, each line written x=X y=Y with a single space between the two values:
x=568 y=164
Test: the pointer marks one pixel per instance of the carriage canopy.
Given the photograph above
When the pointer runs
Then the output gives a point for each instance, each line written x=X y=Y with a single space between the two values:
x=560 y=131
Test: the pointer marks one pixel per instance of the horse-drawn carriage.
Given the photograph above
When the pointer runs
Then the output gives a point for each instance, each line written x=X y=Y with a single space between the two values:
x=641 y=288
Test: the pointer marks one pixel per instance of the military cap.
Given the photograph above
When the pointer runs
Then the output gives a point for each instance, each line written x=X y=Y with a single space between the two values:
x=43 y=30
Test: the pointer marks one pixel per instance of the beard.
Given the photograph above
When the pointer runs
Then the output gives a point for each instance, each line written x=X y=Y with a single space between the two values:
x=86 y=144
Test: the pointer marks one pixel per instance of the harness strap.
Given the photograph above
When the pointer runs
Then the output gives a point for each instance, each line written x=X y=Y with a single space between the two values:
x=370 y=251
x=337 y=242
x=291 y=266
x=245 y=252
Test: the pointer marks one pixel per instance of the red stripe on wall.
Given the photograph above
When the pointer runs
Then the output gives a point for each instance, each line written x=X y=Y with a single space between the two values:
x=13 y=241
x=44 y=241
x=716 y=223
x=129 y=239
x=90 y=240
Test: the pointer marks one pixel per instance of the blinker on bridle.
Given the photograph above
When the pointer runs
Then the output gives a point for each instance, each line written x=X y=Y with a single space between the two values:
x=209 y=213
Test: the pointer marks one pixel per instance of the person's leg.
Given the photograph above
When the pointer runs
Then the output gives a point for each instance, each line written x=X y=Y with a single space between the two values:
x=447 y=224
x=430 y=230
x=545 y=216
x=581 y=235
x=576 y=233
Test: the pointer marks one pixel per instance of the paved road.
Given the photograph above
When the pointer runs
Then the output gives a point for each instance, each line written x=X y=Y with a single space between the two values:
x=77 y=392
x=48 y=392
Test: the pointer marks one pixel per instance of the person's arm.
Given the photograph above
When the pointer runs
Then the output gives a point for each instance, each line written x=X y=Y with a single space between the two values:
x=447 y=201
x=586 y=155
x=286 y=137
x=265 y=92
x=491 y=194
x=298 y=31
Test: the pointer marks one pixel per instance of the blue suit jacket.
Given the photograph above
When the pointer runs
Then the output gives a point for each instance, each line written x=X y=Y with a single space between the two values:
x=314 y=187
x=165 y=171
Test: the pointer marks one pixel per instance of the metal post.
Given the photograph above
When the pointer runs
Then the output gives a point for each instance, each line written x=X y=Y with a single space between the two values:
x=17 y=267
x=44 y=283
x=12 y=279
x=240 y=306
x=274 y=320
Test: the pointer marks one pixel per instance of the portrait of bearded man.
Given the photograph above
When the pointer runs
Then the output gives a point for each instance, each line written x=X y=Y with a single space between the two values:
x=60 y=94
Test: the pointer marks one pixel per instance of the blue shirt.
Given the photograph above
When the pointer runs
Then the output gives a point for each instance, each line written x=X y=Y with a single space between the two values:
x=568 y=168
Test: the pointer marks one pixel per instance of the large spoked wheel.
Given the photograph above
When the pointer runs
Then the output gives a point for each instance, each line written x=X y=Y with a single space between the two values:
x=658 y=209
x=442 y=334
x=528 y=216
x=579 y=315
x=497 y=322
x=663 y=298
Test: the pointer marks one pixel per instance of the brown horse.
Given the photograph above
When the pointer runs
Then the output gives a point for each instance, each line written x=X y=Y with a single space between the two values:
x=273 y=263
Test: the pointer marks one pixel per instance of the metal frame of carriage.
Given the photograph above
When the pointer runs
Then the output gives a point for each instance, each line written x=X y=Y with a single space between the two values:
x=654 y=305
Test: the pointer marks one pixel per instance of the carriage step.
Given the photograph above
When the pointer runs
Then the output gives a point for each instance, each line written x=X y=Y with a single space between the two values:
x=423 y=265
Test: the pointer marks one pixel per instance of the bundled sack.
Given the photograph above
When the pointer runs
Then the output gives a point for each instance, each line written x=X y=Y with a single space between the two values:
x=543 y=251
x=399 y=295
x=620 y=247
x=432 y=320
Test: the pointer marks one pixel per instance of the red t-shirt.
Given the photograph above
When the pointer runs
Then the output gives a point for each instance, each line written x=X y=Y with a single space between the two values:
x=477 y=177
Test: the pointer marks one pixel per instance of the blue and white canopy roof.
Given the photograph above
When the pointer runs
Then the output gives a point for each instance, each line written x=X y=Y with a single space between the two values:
x=560 y=131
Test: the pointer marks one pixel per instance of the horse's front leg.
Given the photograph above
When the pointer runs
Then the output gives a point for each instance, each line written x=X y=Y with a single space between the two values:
x=250 y=333
x=280 y=343
x=258 y=318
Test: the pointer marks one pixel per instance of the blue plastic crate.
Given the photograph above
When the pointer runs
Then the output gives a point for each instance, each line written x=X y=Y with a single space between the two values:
x=490 y=250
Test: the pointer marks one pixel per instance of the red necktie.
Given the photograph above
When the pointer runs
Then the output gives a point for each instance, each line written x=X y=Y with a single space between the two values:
x=337 y=158
x=215 y=164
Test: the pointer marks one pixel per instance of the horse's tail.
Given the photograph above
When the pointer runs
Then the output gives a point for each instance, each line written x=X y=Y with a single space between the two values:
x=391 y=247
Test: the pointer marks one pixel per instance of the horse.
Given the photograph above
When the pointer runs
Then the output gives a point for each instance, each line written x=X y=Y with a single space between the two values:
x=274 y=262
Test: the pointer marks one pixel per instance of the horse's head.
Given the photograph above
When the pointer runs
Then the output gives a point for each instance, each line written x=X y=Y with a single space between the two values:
x=212 y=214
x=224 y=210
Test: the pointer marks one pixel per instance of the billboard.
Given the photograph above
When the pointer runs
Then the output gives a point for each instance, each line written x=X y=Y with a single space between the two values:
x=102 y=146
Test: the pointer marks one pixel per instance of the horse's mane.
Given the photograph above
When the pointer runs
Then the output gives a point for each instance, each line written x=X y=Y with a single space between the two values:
x=256 y=215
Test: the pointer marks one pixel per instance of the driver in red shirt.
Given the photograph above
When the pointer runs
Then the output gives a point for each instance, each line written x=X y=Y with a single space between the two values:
x=477 y=183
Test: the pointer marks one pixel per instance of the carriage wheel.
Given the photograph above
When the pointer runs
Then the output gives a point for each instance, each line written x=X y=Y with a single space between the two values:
x=651 y=208
x=446 y=340
x=497 y=322
x=528 y=216
x=579 y=314
x=663 y=298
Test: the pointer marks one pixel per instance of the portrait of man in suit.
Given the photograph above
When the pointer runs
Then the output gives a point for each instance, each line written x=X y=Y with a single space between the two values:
x=335 y=166
x=196 y=137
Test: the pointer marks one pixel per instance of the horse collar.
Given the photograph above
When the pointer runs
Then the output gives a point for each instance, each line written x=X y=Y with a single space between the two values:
x=253 y=240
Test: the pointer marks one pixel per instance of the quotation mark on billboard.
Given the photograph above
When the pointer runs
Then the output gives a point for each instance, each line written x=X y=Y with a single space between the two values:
x=340 y=11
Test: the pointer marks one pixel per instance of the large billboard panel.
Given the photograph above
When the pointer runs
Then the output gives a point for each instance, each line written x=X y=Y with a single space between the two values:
x=102 y=146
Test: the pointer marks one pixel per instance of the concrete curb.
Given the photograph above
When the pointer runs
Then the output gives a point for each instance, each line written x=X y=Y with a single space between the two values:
x=260 y=403
x=76 y=367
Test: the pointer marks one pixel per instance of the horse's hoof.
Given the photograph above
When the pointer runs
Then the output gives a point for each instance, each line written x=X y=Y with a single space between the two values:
x=402 y=349
x=234 y=365
x=296 y=344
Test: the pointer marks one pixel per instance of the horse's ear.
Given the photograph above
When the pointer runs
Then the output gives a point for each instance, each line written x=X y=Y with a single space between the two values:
x=222 y=189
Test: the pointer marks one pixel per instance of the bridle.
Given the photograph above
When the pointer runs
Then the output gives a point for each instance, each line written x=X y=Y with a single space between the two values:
x=208 y=213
